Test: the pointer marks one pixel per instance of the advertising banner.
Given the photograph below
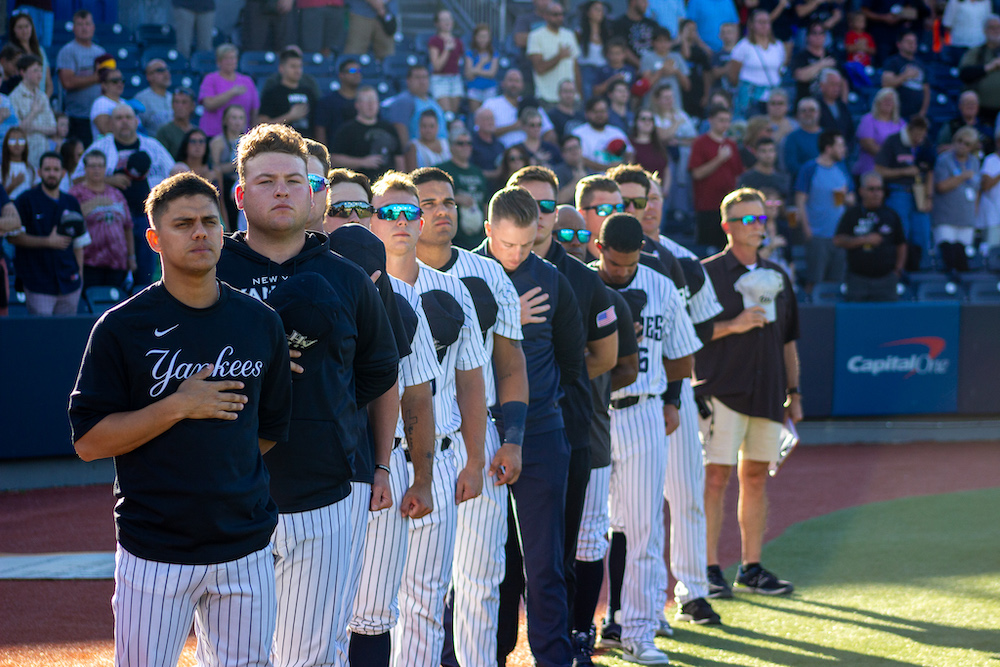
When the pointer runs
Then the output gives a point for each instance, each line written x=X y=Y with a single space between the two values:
x=896 y=361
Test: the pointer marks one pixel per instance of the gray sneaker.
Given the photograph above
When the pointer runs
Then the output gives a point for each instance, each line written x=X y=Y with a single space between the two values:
x=717 y=586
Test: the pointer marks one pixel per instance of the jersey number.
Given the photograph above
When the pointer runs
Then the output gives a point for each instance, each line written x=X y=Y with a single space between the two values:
x=643 y=360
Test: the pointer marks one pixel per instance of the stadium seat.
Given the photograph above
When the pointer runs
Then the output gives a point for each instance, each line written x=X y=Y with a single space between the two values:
x=993 y=259
x=203 y=62
x=134 y=82
x=327 y=84
x=258 y=63
x=935 y=291
x=111 y=34
x=127 y=57
x=149 y=34
x=397 y=65
x=169 y=54
x=317 y=64
x=984 y=292
x=101 y=298
x=828 y=293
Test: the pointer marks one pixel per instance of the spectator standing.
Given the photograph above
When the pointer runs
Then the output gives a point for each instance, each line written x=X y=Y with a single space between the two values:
x=337 y=107
x=373 y=24
x=833 y=111
x=42 y=17
x=471 y=189
x=956 y=184
x=18 y=174
x=290 y=102
x=828 y=14
x=859 y=43
x=765 y=175
x=76 y=64
x=226 y=87
x=784 y=18
x=513 y=159
x=714 y=165
x=908 y=76
x=9 y=55
x=709 y=16
x=620 y=114
x=875 y=127
x=756 y=127
x=822 y=188
x=506 y=109
x=156 y=97
x=71 y=152
x=111 y=253
x=802 y=144
x=698 y=62
x=367 y=143
x=571 y=169
x=755 y=65
x=428 y=149
x=268 y=25
x=567 y=114
x=172 y=132
x=649 y=151
x=873 y=237
x=404 y=110
x=968 y=116
x=194 y=21
x=636 y=30
x=964 y=19
x=617 y=67
x=668 y=14
x=594 y=33
x=222 y=149
x=529 y=21
x=553 y=52
x=321 y=26
x=662 y=67
x=445 y=58
x=10 y=223
x=989 y=201
x=481 y=64
x=600 y=141
x=906 y=164
x=980 y=70
x=32 y=108
x=49 y=259
x=112 y=86
x=486 y=150
x=21 y=32
x=539 y=151
x=889 y=20
x=807 y=64
x=729 y=36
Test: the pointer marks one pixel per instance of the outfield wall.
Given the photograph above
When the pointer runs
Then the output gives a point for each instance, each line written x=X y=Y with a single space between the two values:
x=857 y=360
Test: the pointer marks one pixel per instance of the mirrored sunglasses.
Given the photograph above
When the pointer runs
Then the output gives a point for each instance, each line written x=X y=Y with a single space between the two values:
x=546 y=205
x=749 y=219
x=344 y=209
x=393 y=211
x=606 y=209
x=316 y=182
x=567 y=235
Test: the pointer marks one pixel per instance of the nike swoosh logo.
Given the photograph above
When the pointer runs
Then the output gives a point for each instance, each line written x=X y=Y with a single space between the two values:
x=161 y=334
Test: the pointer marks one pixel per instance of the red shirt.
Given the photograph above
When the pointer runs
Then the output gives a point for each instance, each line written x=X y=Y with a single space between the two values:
x=859 y=56
x=450 y=65
x=710 y=191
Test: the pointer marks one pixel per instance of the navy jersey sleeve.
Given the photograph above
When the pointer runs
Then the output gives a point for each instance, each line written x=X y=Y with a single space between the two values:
x=275 y=411
x=602 y=318
x=628 y=344
x=23 y=205
x=568 y=335
x=376 y=359
x=102 y=383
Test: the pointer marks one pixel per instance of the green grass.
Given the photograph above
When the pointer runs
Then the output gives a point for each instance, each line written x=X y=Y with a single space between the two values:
x=907 y=582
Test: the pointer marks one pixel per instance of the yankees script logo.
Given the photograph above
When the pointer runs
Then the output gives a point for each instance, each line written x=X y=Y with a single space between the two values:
x=167 y=368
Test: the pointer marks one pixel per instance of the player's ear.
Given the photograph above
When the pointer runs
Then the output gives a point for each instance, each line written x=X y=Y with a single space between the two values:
x=599 y=246
x=486 y=227
x=239 y=196
x=153 y=239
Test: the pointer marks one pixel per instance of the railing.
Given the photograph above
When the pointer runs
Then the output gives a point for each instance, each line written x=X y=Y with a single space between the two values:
x=491 y=12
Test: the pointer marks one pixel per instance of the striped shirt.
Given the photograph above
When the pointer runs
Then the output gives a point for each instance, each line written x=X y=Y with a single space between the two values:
x=420 y=365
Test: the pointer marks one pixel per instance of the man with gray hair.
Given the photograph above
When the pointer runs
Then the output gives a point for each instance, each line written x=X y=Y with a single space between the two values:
x=471 y=188
x=873 y=237
x=156 y=97
x=833 y=111
x=968 y=116
x=980 y=70
x=802 y=145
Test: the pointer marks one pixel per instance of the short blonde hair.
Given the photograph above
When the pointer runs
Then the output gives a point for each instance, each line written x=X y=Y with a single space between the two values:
x=394 y=180
x=225 y=49
x=738 y=197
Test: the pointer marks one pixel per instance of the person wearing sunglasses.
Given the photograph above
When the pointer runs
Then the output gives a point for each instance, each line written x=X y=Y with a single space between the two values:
x=601 y=353
x=641 y=421
x=752 y=360
x=554 y=343
x=112 y=87
x=348 y=366
x=459 y=420
x=478 y=565
x=597 y=197
x=337 y=107
x=156 y=97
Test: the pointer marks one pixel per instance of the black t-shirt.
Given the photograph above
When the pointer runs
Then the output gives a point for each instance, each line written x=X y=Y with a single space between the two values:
x=279 y=101
x=333 y=111
x=600 y=386
x=779 y=180
x=356 y=139
x=699 y=63
x=197 y=493
x=872 y=261
x=911 y=92
x=564 y=123
x=638 y=34
x=805 y=58
x=894 y=155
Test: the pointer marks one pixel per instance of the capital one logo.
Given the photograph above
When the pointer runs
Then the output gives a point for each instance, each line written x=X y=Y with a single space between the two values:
x=924 y=361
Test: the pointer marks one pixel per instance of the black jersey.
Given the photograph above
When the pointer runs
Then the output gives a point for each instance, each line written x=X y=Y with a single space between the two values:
x=553 y=349
x=314 y=467
x=197 y=493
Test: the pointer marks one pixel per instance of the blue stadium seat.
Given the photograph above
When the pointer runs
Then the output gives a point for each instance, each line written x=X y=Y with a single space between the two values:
x=169 y=54
x=935 y=291
x=111 y=34
x=148 y=34
x=326 y=84
x=397 y=65
x=127 y=57
x=828 y=293
x=984 y=292
x=203 y=62
x=317 y=64
x=101 y=298
x=258 y=63
x=134 y=82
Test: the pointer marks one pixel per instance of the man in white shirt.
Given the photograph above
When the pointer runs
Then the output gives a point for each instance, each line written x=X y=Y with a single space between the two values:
x=553 y=52
x=603 y=145
x=505 y=111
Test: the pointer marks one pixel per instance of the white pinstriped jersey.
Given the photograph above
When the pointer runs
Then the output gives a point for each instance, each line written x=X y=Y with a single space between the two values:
x=464 y=265
x=666 y=330
x=420 y=365
x=703 y=305
x=457 y=340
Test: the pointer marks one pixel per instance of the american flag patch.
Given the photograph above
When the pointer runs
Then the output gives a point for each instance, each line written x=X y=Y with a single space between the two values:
x=606 y=318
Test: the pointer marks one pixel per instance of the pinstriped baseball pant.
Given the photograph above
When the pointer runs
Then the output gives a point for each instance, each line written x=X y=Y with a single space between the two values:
x=638 y=466
x=154 y=603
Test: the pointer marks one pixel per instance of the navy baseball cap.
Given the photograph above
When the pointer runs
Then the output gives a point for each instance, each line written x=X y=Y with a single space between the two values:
x=356 y=243
x=486 y=303
x=308 y=306
x=138 y=165
x=445 y=318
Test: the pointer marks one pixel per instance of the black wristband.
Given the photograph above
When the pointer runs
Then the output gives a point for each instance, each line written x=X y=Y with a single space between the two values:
x=672 y=396
x=515 y=415
x=380 y=466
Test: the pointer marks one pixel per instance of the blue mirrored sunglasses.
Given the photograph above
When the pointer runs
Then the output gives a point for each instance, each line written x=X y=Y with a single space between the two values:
x=392 y=212
x=316 y=182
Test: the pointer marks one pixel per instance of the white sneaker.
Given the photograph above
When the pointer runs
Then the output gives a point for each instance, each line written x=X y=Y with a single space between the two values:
x=664 y=630
x=643 y=652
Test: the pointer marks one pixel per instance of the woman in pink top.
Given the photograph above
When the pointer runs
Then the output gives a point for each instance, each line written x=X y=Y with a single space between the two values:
x=224 y=88
x=877 y=126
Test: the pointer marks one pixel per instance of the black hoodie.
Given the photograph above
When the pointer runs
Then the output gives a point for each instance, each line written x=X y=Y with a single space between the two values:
x=313 y=467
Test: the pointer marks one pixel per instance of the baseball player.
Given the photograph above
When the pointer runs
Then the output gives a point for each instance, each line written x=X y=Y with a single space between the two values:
x=376 y=567
x=640 y=423
x=479 y=561
x=554 y=354
x=592 y=543
x=185 y=402
x=347 y=368
x=459 y=417
x=599 y=320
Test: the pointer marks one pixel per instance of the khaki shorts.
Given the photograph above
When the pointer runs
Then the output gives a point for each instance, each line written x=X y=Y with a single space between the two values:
x=364 y=32
x=728 y=436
